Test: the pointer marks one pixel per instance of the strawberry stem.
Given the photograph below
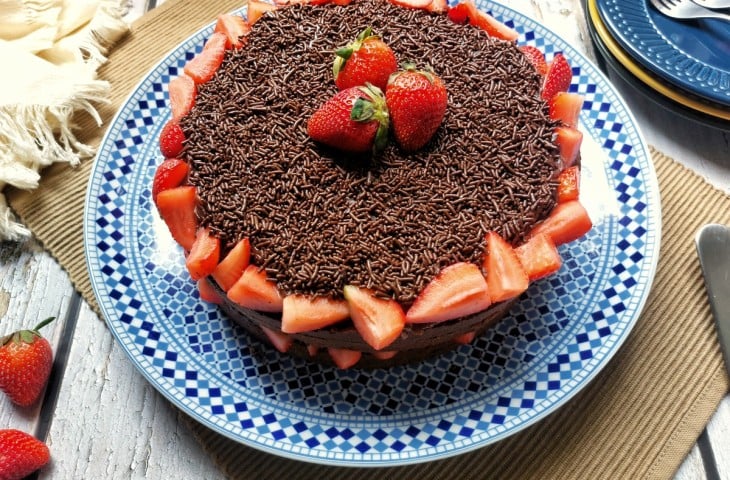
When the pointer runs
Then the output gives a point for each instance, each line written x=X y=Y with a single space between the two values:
x=43 y=323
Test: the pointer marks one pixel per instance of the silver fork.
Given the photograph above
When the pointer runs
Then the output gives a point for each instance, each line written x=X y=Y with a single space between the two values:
x=686 y=10
x=716 y=4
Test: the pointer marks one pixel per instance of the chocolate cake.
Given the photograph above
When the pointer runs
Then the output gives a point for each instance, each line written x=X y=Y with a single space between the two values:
x=319 y=219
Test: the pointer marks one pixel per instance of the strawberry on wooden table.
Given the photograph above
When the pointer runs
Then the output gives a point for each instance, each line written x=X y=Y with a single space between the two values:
x=567 y=222
x=535 y=56
x=416 y=102
x=539 y=256
x=172 y=138
x=557 y=78
x=368 y=59
x=177 y=209
x=506 y=278
x=353 y=120
x=204 y=255
x=26 y=359
x=182 y=95
x=234 y=27
x=379 y=321
x=21 y=454
x=169 y=174
x=204 y=65
x=458 y=290
x=232 y=266
x=302 y=313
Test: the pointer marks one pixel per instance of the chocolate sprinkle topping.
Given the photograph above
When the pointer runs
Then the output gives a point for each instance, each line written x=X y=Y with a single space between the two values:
x=318 y=219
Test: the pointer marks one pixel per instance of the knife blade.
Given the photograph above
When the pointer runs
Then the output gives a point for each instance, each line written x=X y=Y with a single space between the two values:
x=713 y=248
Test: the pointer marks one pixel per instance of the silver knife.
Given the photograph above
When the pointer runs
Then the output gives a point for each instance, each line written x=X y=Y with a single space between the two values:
x=713 y=248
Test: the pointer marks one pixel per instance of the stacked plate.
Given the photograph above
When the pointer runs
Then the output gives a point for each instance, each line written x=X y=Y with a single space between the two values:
x=682 y=65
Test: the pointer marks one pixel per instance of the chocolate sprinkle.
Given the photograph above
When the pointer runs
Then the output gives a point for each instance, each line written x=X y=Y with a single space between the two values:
x=318 y=219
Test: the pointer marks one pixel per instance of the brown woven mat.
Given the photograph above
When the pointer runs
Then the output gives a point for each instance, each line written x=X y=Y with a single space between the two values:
x=638 y=419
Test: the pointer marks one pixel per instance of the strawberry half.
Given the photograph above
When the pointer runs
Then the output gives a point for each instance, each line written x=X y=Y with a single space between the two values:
x=255 y=291
x=169 y=174
x=232 y=266
x=366 y=60
x=569 y=184
x=354 y=120
x=536 y=58
x=204 y=255
x=26 y=359
x=280 y=341
x=416 y=102
x=569 y=140
x=177 y=209
x=204 y=65
x=438 y=6
x=182 y=95
x=417 y=4
x=378 y=321
x=21 y=454
x=343 y=357
x=302 y=313
x=467 y=11
x=172 y=138
x=234 y=27
x=539 y=257
x=567 y=222
x=257 y=9
x=458 y=290
x=506 y=277
x=558 y=77
x=208 y=293
x=566 y=107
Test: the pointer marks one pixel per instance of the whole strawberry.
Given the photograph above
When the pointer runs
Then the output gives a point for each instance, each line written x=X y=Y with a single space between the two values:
x=25 y=364
x=416 y=101
x=354 y=120
x=20 y=454
x=366 y=60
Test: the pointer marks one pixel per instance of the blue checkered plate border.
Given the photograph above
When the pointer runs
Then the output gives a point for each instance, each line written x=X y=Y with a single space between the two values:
x=563 y=331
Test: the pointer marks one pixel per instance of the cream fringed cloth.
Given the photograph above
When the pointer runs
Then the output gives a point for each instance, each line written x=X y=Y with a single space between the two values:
x=49 y=52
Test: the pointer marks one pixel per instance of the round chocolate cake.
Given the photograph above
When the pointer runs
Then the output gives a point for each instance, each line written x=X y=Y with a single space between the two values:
x=318 y=219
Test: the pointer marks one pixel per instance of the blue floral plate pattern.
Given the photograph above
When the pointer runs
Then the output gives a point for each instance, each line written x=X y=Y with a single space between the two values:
x=693 y=55
x=559 y=336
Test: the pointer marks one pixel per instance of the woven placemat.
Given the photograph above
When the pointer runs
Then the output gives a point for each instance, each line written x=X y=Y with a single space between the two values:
x=637 y=419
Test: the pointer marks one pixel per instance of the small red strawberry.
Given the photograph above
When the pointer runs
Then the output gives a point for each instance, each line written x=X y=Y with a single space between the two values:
x=416 y=101
x=171 y=139
x=536 y=58
x=366 y=60
x=20 y=454
x=558 y=77
x=169 y=174
x=354 y=120
x=25 y=364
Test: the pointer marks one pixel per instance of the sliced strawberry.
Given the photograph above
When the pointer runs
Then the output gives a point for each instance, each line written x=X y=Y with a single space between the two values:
x=280 y=341
x=302 y=313
x=569 y=184
x=169 y=174
x=257 y=9
x=492 y=26
x=420 y=4
x=232 y=266
x=565 y=106
x=505 y=276
x=465 y=338
x=208 y=293
x=312 y=350
x=234 y=27
x=438 y=6
x=567 y=222
x=387 y=355
x=535 y=56
x=204 y=255
x=177 y=209
x=341 y=3
x=253 y=290
x=204 y=65
x=459 y=13
x=569 y=140
x=458 y=290
x=379 y=321
x=539 y=256
x=558 y=77
x=182 y=95
x=343 y=357
x=172 y=138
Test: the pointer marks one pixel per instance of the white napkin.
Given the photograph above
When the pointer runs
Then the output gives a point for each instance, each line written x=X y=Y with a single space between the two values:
x=50 y=51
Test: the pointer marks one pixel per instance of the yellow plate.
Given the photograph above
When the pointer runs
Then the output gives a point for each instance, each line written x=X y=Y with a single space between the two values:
x=645 y=77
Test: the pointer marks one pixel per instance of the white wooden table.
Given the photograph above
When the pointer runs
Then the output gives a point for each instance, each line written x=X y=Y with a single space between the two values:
x=96 y=398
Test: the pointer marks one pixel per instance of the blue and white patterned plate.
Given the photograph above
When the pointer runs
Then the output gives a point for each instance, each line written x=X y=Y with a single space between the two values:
x=558 y=337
